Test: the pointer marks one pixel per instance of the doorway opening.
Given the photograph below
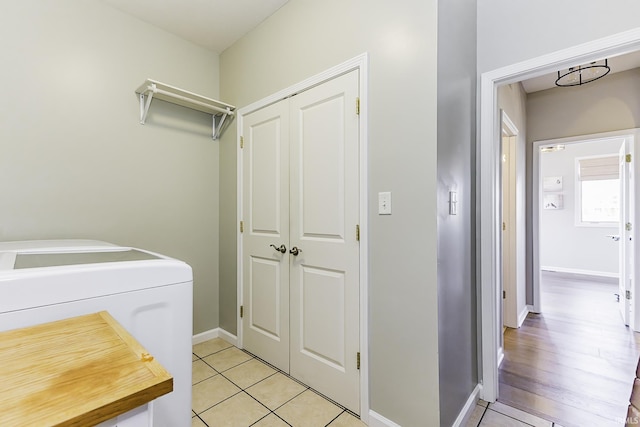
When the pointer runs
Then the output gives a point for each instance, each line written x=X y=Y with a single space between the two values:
x=567 y=362
x=489 y=226
x=583 y=200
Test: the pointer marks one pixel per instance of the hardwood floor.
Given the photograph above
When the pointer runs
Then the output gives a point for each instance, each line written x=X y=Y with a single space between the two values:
x=573 y=364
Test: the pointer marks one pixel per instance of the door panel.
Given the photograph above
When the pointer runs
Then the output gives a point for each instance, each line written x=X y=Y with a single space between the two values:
x=321 y=159
x=265 y=167
x=265 y=287
x=324 y=214
x=322 y=336
x=265 y=207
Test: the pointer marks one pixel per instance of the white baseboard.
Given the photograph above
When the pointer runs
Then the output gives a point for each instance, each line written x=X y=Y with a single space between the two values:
x=580 y=271
x=205 y=336
x=523 y=315
x=228 y=337
x=468 y=408
x=214 y=333
x=377 y=420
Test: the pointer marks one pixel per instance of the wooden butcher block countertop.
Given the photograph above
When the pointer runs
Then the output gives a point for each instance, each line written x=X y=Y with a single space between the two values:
x=75 y=372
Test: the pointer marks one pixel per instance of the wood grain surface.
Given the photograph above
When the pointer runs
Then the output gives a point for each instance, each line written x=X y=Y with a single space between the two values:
x=575 y=362
x=75 y=372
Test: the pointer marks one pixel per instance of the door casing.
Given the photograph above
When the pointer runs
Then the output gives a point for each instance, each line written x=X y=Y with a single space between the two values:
x=359 y=63
x=488 y=192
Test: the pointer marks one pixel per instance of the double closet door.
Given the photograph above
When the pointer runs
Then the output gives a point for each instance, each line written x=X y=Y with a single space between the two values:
x=300 y=247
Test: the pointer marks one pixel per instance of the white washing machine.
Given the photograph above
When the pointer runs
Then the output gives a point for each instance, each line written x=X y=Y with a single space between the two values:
x=149 y=294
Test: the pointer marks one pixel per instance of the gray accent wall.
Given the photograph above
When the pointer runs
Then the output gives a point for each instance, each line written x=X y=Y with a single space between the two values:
x=457 y=310
x=76 y=163
x=306 y=37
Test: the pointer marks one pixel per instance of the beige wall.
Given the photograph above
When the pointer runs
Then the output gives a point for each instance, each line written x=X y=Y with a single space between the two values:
x=75 y=162
x=611 y=103
x=512 y=100
x=306 y=37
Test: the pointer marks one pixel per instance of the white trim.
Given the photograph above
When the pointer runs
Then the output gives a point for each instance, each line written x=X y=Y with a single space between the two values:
x=205 y=336
x=468 y=408
x=488 y=226
x=500 y=357
x=377 y=420
x=536 y=201
x=360 y=63
x=228 y=337
x=580 y=271
x=523 y=315
x=511 y=127
x=214 y=333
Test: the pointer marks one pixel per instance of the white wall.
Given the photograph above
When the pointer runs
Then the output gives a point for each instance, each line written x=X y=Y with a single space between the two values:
x=565 y=246
x=306 y=37
x=513 y=31
x=74 y=160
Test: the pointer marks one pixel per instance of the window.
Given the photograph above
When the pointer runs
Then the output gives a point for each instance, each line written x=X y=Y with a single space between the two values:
x=598 y=190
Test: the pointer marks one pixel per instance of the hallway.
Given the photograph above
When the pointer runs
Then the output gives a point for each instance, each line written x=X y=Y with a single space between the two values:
x=573 y=364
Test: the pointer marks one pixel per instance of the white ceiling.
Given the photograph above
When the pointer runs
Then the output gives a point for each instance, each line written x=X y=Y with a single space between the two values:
x=217 y=24
x=617 y=64
x=212 y=24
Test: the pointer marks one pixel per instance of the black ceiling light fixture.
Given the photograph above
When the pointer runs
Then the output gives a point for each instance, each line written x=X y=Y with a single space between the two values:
x=583 y=74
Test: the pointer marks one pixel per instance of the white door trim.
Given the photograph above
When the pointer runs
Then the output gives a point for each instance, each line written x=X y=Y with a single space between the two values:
x=488 y=182
x=360 y=63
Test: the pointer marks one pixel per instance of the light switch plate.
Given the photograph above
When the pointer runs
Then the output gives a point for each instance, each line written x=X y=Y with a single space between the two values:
x=384 y=203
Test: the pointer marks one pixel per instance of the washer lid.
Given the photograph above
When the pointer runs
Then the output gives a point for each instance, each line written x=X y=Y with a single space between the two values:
x=55 y=259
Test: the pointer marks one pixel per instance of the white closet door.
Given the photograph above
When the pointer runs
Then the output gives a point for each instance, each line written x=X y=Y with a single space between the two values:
x=265 y=204
x=324 y=214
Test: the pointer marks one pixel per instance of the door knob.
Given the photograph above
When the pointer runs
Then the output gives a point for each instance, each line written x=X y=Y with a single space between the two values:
x=282 y=248
x=295 y=251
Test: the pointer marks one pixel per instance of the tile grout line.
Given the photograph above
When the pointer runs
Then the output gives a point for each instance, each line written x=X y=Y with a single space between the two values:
x=486 y=408
x=223 y=400
x=277 y=370
x=203 y=421
x=335 y=418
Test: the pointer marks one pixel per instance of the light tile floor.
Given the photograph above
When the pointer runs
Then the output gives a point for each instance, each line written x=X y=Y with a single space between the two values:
x=233 y=388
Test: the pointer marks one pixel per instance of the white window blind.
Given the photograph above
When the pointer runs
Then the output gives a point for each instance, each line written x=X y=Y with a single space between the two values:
x=598 y=168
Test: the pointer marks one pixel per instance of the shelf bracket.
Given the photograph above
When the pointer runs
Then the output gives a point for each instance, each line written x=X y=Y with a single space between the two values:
x=144 y=106
x=217 y=129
